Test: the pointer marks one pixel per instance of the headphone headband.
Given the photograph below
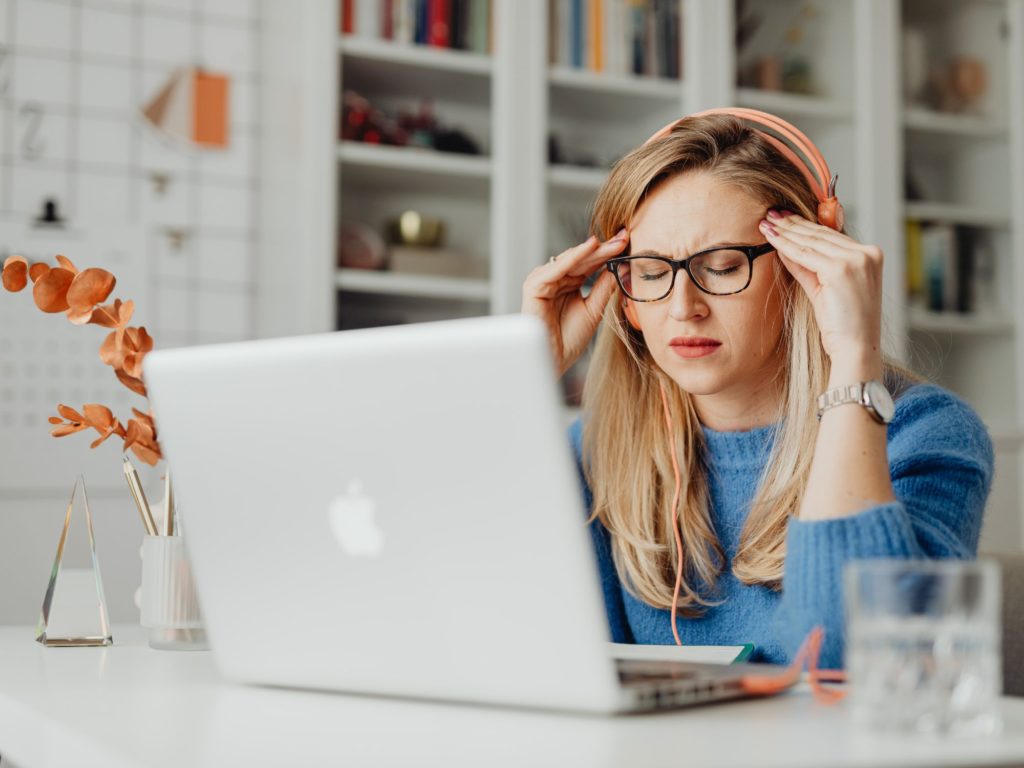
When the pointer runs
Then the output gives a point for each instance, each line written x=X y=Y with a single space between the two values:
x=794 y=146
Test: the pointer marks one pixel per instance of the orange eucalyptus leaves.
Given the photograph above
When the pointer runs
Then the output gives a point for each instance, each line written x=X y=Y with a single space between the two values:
x=80 y=296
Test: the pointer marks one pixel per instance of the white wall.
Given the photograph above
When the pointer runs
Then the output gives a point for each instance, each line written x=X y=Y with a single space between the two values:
x=73 y=75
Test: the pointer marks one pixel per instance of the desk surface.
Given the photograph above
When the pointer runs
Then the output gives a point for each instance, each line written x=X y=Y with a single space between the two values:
x=129 y=705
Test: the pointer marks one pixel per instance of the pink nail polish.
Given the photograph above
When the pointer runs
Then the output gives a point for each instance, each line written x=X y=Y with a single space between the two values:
x=774 y=214
x=766 y=226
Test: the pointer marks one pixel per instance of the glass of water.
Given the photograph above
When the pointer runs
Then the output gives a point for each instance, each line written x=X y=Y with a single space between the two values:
x=923 y=645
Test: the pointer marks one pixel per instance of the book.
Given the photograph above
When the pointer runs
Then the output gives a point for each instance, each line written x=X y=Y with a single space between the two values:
x=441 y=262
x=440 y=32
x=914 y=263
x=938 y=256
x=703 y=654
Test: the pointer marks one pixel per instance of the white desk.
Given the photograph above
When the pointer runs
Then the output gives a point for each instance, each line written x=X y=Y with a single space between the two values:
x=129 y=705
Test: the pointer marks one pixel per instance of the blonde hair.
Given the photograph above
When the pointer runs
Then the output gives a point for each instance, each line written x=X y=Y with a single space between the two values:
x=626 y=442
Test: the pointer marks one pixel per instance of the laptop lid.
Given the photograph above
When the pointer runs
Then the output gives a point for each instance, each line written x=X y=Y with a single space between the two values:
x=392 y=510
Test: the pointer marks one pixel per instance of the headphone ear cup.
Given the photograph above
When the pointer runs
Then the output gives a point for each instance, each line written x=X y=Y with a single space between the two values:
x=629 y=310
x=831 y=214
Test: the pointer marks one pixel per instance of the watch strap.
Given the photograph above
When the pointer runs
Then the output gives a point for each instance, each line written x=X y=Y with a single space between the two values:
x=851 y=393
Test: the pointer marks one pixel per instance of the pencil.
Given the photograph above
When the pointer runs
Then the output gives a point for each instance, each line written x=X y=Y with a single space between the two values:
x=135 y=486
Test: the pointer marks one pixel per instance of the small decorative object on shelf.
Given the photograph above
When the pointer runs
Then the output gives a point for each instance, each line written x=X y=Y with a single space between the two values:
x=958 y=86
x=361 y=121
x=360 y=247
x=74 y=612
x=413 y=228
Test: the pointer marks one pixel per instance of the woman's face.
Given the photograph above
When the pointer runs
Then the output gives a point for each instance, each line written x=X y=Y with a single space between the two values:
x=692 y=212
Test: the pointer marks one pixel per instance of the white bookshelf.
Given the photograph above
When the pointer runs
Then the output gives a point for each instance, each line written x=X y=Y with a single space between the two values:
x=512 y=209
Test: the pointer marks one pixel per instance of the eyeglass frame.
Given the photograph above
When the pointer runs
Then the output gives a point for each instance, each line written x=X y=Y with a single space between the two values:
x=750 y=251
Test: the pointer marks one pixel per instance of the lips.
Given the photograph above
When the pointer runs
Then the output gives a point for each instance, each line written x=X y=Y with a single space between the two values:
x=694 y=341
x=693 y=346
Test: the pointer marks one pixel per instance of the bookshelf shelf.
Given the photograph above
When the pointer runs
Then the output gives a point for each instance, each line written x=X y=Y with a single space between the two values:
x=961 y=126
x=418 y=57
x=956 y=214
x=794 y=105
x=920 y=319
x=414 y=167
x=635 y=86
x=399 y=284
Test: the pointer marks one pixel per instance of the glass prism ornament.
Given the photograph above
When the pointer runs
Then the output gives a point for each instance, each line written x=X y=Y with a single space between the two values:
x=74 y=612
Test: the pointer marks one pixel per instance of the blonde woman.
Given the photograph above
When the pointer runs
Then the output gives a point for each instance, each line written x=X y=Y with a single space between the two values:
x=742 y=434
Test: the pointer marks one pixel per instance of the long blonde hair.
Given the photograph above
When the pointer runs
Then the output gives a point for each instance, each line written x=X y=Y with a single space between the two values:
x=626 y=442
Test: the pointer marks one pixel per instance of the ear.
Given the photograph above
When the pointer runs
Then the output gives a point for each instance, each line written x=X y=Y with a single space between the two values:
x=629 y=310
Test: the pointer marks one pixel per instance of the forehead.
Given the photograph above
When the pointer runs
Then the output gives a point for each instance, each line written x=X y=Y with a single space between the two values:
x=694 y=210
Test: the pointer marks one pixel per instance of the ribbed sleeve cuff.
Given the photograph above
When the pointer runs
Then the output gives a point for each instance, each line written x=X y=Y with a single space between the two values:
x=816 y=550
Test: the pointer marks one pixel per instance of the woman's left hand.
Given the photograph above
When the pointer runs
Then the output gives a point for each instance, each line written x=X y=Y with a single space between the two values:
x=842 y=277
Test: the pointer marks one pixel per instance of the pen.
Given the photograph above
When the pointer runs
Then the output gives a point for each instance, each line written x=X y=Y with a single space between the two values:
x=168 y=505
x=135 y=485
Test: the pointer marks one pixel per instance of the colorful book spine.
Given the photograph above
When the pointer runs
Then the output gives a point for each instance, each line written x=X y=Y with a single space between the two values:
x=348 y=25
x=595 y=45
x=404 y=20
x=576 y=31
x=367 y=18
x=480 y=26
x=440 y=24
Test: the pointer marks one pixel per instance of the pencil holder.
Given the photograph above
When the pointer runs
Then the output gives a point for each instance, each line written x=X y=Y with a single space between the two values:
x=169 y=607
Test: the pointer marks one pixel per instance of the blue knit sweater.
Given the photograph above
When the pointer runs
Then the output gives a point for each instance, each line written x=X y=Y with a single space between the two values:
x=940 y=460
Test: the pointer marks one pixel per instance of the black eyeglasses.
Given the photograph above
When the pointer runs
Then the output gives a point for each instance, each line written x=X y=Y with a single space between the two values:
x=717 y=271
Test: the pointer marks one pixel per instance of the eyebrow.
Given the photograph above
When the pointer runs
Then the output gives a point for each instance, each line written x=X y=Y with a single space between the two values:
x=649 y=252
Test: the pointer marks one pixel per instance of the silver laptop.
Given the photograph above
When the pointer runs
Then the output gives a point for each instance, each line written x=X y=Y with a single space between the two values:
x=396 y=511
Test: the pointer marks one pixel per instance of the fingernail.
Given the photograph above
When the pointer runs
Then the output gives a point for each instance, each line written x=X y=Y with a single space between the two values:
x=774 y=214
x=620 y=235
x=766 y=226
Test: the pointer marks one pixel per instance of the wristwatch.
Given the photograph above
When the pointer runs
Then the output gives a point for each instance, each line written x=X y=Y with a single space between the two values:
x=871 y=394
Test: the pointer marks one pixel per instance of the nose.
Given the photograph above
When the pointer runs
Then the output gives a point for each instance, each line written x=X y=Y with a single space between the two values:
x=686 y=300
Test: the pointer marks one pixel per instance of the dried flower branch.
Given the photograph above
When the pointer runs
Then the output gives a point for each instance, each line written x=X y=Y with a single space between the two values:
x=80 y=296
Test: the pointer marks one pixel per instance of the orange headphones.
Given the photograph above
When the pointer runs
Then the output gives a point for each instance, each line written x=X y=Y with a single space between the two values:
x=794 y=146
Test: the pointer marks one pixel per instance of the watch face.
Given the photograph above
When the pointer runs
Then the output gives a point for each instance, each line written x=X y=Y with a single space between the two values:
x=881 y=401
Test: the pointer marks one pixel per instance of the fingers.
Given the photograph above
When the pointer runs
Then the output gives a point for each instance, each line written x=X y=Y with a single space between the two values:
x=794 y=222
x=807 y=278
x=600 y=292
x=573 y=266
x=804 y=241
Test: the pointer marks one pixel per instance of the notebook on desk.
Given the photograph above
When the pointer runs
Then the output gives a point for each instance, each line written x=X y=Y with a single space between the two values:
x=701 y=654
x=396 y=511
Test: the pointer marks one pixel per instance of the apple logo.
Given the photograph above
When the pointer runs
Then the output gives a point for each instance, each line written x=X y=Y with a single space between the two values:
x=352 y=522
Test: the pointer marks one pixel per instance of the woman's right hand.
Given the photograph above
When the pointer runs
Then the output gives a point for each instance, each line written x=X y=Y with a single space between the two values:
x=552 y=293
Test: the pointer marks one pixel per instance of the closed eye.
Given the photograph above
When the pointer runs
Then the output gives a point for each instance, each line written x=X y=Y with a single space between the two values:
x=653 y=276
x=721 y=272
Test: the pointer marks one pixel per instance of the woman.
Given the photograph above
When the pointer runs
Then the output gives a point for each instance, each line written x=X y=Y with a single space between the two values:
x=723 y=503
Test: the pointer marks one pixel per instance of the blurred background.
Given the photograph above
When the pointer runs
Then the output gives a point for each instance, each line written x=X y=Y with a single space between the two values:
x=255 y=168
